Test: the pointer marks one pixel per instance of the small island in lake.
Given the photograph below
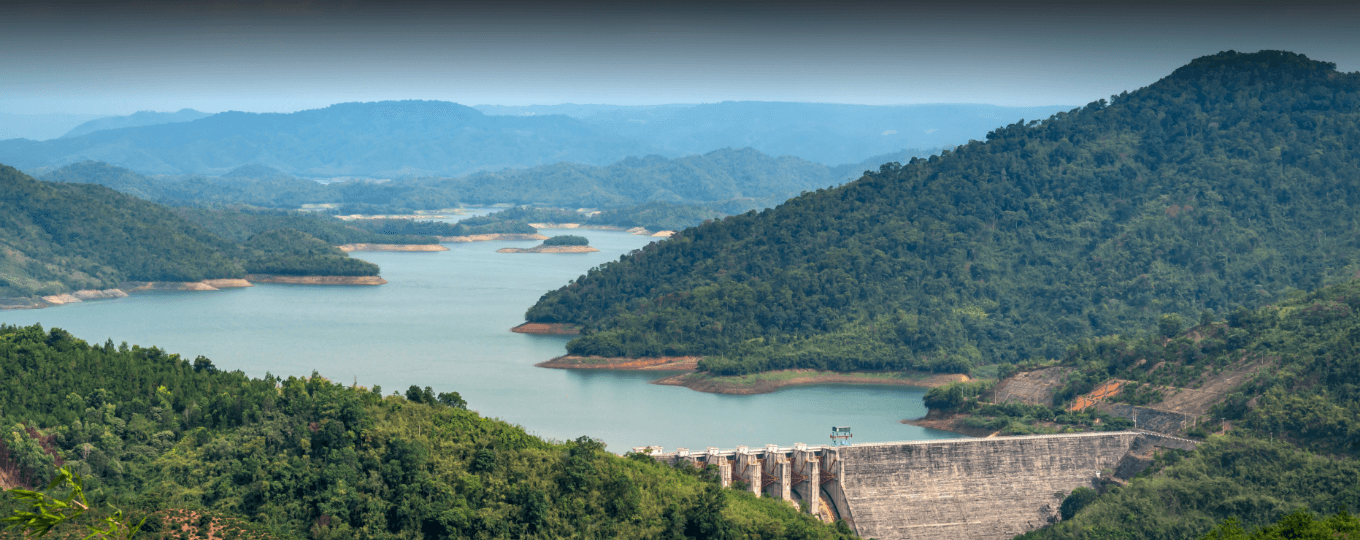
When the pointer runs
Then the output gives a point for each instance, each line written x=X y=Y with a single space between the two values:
x=558 y=244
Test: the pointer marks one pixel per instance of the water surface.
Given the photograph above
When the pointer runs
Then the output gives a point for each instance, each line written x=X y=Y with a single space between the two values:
x=443 y=321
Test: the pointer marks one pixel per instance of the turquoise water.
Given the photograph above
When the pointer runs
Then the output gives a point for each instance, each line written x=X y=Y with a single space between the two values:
x=443 y=321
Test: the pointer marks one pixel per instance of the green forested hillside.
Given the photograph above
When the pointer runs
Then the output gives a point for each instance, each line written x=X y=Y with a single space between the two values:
x=1294 y=426
x=1231 y=181
x=57 y=238
x=306 y=457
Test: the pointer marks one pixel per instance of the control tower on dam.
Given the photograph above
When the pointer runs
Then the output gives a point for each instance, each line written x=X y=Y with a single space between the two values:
x=992 y=488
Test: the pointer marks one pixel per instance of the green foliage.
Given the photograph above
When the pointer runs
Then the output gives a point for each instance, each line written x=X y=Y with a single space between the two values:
x=1075 y=501
x=1186 y=494
x=59 y=237
x=567 y=240
x=311 y=458
x=466 y=227
x=1299 y=524
x=295 y=253
x=45 y=512
x=1217 y=186
x=239 y=224
x=1306 y=391
x=953 y=395
x=55 y=238
x=665 y=216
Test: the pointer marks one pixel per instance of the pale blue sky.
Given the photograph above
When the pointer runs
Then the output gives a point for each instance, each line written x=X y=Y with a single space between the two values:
x=101 y=58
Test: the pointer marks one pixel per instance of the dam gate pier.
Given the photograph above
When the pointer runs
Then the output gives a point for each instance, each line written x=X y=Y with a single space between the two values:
x=990 y=488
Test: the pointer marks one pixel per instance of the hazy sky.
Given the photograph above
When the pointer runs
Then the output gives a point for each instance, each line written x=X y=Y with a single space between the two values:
x=120 y=57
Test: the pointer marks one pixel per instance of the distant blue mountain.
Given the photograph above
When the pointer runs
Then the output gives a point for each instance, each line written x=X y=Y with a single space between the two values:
x=823 y=132
x=137 y=119
x=384 y=139
x=432 y=138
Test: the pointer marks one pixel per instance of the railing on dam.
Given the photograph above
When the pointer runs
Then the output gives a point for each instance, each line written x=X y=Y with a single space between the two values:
x=995 y=487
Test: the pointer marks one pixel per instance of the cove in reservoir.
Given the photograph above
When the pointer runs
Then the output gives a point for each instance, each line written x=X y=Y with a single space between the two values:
x=443 y=321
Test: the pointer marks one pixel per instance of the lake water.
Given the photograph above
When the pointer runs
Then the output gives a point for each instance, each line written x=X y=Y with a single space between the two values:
x=443 y=321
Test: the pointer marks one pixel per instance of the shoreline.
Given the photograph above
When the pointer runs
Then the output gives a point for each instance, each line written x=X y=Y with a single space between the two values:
x=770 y=381
x=316 y=280
x=550 y=249
x=758 y=383
x=491 y=237
x=128 y=288
x=652 y=363
x=391 y=247
x=554 y=329
x=951 y=423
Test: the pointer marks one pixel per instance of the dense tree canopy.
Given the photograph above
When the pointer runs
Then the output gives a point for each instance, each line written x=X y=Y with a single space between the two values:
x=307 y=457
x=1229 y=182
x=60 y=237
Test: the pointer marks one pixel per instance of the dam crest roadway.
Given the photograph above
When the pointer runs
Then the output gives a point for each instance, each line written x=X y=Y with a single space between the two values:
x=989 y=488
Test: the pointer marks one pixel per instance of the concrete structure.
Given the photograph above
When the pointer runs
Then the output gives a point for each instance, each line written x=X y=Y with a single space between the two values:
x=949 y=488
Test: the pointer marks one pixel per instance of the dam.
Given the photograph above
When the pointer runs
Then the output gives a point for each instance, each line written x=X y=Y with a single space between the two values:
x=990 y=488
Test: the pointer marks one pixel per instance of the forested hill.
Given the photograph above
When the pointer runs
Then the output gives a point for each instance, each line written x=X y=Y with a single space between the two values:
x=309 y=458
x=1282 y=376
x=1230 y=181
x=57 y=238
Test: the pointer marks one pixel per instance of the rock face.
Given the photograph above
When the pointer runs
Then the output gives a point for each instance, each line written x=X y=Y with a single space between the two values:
x=391 y=247
x=317 y=280
x=972 y=488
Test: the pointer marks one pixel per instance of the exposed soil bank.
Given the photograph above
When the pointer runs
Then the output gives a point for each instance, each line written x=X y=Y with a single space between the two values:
x=655 y=363
x=139 y=286
x=317 y=280
x=490 y=237
x=558 y=329
x=769 y=381
x=947 y=422
x=227 y=283
x=550 y=249
x=391 y=247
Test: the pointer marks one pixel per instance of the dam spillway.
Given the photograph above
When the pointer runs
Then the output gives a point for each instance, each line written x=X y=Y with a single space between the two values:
x=990 y=488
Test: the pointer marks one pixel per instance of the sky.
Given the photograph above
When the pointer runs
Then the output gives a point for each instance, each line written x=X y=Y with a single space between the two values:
x=282 y=56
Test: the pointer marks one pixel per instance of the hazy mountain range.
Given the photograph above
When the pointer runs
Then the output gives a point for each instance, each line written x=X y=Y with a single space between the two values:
x=430 y=138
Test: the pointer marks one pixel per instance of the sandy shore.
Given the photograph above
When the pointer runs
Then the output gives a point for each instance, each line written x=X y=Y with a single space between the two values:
x=550 y=249
x=391 y=247
x=558 y=329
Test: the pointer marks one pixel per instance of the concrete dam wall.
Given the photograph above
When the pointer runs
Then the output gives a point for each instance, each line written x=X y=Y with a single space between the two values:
x=978 y=488
x=955 y=489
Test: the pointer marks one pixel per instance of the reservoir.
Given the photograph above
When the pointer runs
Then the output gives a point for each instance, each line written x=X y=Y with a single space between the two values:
x=443 y=321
